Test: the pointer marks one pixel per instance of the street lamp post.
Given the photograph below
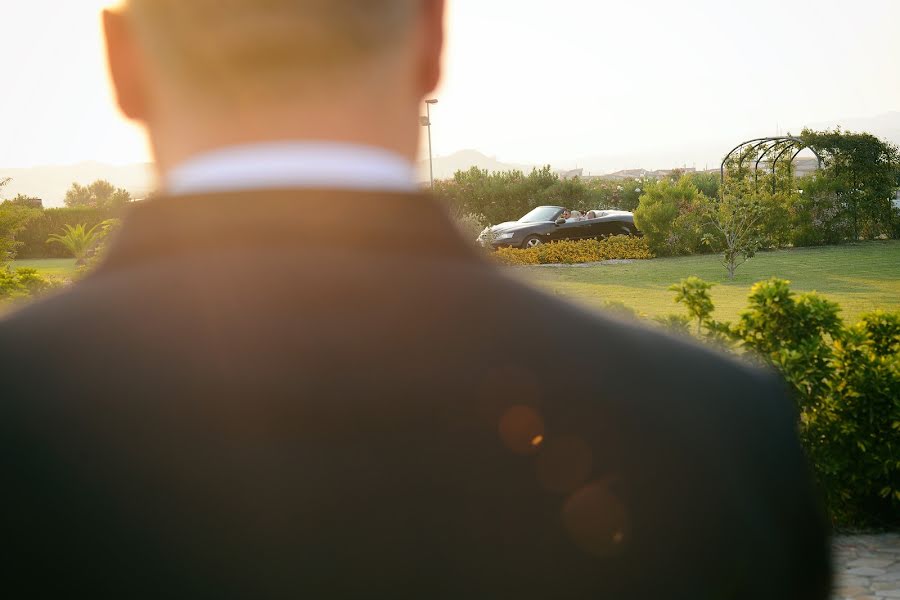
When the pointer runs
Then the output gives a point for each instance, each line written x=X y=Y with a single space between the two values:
x=426 y=122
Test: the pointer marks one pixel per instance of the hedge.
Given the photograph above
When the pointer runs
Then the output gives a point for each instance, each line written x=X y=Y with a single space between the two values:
x=53 y=220
x=577 y=251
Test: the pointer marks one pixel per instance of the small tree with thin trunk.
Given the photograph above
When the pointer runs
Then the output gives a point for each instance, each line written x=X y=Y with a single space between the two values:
x=735 y=223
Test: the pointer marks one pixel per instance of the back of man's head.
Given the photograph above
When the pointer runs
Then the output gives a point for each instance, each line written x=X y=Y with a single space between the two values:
x=218 y=45
x=201 y=74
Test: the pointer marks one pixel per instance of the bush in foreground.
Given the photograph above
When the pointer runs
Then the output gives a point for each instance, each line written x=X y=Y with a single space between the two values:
x=570 y=252
x=22 y=283
x=845 y=380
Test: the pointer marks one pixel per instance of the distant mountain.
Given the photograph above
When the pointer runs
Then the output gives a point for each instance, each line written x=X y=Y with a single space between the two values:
x=51 y=183
x=885 y=126
x=446 y=166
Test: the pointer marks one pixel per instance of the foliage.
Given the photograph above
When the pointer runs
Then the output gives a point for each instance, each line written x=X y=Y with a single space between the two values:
x=22 y=283
x=33 y=236
x=853 y=433
x=577 y=251
x=707 y=182
x=78 y=240
x=670 y=215
x=676 y=323
x=817 y=215
x=13 y=218
x=863 y=174
x=846 y=381
x=506 y=196
x=496 y=197
x=24 y=201
x=693 y=292
x=469 y=226
x=735 y=223
x=621 y=309
x=100 y=194
x=97 y=252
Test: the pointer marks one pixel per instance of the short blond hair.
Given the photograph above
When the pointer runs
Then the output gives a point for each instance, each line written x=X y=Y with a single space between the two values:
x=215 y=43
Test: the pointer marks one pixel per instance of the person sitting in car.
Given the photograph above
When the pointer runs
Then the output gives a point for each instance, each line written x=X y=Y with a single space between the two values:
x=574 y=217
x=565 y=215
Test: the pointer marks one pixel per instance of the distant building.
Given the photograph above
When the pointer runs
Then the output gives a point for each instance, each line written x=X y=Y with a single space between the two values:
x=897 y=199
x=571 y=174
x=629 y=174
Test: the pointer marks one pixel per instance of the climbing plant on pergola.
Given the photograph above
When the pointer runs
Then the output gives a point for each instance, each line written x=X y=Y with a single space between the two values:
x=768 y=151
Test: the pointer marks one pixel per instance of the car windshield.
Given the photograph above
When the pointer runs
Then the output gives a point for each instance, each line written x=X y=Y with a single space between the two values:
x=542 y=213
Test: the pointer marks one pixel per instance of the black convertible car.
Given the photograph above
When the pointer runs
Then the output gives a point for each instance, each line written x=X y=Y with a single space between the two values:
x=553 y=223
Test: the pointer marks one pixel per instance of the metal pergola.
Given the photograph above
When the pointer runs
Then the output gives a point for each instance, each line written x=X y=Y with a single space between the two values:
x=768 y=149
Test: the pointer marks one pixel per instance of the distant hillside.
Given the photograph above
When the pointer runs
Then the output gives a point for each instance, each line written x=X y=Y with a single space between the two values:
x=51 y=183
x=446 y=166
x=885 y=126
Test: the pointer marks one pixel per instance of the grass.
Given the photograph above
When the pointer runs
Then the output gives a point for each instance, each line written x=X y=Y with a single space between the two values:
x=860 y=277
x=53 y=267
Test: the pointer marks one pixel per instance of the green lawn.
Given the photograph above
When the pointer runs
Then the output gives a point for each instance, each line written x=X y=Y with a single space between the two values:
x=54 y=267
x=860 y=277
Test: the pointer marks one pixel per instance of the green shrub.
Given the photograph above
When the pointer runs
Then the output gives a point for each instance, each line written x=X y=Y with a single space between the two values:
x=671 y=217
x=852 y=432
x=22 y=283
x=845 y=380
x=577 y=251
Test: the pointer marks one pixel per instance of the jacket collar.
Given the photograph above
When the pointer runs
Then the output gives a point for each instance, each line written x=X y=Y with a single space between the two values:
x=169 y=226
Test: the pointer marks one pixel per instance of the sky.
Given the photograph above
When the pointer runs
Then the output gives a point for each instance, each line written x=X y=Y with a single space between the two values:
x=528 y=81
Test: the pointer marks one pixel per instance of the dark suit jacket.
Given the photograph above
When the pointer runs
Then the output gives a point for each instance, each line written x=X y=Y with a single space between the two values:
x=329 y=394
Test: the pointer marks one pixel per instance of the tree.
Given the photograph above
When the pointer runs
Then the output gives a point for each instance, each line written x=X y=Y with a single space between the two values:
x=735 y=222
x=100 y=194
x=78 y=240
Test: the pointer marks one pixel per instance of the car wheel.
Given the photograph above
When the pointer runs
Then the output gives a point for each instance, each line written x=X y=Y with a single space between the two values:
x=532 y=241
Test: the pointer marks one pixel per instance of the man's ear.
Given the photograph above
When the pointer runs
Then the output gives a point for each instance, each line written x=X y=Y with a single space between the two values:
x=433 y=44
x=126 y=68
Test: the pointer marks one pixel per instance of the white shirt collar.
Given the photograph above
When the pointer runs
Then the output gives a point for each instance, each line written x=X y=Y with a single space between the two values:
x=299 y=164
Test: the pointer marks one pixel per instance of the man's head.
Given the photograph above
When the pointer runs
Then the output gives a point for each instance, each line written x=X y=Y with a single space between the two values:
x=258 y=69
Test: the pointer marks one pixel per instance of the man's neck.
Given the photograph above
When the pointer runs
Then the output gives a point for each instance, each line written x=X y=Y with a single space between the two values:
x=391 y=128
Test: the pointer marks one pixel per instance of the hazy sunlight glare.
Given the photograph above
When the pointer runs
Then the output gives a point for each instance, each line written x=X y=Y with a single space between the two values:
x=643 y=83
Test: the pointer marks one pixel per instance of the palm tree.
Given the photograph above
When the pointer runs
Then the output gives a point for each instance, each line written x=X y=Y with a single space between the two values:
x=78 y=240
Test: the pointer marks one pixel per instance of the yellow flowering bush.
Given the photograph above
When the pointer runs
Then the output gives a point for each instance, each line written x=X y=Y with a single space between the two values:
x=571 y=252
